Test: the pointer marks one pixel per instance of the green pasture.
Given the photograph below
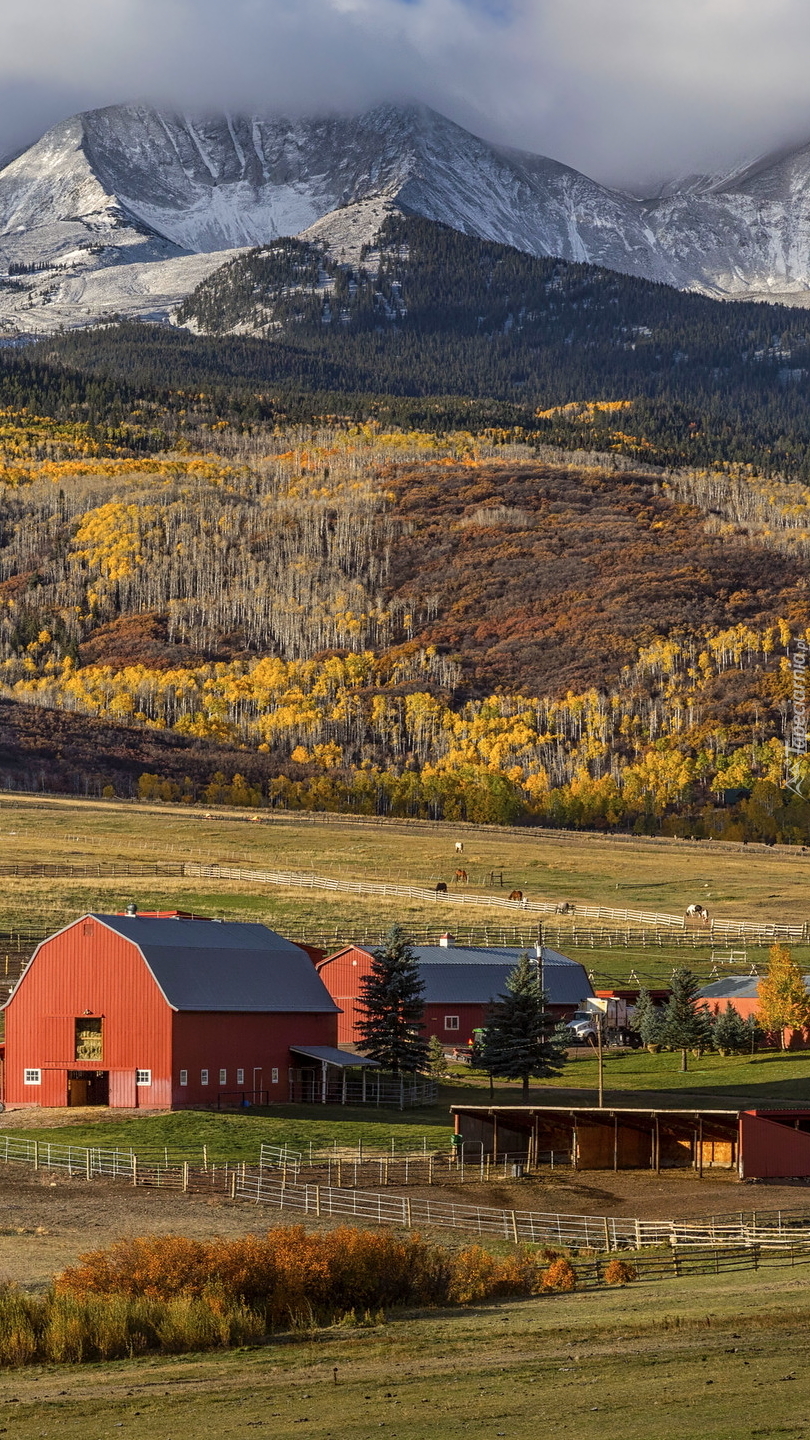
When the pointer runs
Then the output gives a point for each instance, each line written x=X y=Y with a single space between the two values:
x=712 y=1358
x=629 y=1077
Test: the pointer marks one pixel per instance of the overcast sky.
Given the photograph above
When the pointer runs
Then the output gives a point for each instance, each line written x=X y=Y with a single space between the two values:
x=625 y=90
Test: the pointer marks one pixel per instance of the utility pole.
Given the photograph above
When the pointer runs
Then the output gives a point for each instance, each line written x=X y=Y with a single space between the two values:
x=600 y=1060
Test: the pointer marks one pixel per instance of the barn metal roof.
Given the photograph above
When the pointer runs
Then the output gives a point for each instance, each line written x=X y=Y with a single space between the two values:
x=224 y=965
x=732 y=987
x=464 y=975
x=737 y=987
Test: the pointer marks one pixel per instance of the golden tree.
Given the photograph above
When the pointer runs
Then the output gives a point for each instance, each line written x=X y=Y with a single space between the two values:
x=783 y=997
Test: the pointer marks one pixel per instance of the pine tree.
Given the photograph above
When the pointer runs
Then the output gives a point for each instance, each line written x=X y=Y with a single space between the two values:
x=520 y=1039
x=783 y=997
x=731 y=1033
x=436 y=1058
x=392 y=1007
x=684 y=1027
x=647 y=1019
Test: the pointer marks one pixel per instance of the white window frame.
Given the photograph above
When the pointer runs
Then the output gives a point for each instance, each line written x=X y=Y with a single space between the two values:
x=223 y=1077
x=451 y=1022
x=203 y=1077
x=274 y=1076
x=143 y=1077
x=32 y=1077
x=184 y=1077
x=240 y=1077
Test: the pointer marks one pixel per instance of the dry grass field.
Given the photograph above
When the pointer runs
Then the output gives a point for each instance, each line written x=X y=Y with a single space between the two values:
x=751 y=882
x=724 y=1358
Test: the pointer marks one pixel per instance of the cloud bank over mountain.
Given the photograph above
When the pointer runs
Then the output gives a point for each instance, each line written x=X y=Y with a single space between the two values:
x=626 y=92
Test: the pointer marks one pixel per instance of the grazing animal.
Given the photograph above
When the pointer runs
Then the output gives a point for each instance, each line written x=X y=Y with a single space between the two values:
x=441 y=888
x=461 y=875
x=516 y=895
x=565 y=908
x=697 y=912
x=459 y=847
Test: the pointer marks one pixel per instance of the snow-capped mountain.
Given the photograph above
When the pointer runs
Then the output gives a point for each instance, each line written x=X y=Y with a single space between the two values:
x=124 y=210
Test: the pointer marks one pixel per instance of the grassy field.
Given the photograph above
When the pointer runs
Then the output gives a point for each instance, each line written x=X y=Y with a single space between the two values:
x=755 y=883
x=711 y=1081
x=724 y=1358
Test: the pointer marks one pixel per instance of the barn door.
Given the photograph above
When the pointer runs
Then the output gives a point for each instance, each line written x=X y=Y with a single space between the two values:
x=122 y=1089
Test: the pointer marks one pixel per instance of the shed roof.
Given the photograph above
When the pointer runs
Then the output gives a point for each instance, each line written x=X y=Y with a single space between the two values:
x=224 y=965
x=731 y=987
x=330 y=1056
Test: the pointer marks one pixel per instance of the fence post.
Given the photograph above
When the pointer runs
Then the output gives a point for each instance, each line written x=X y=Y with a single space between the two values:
x=430 y=1170
x=408 y=1211
x=185 y=1177
x=317 y=1200
x=205 y=1157
x=607 y=1234
x=134 y=1169
x=514 y=1226
x=36 y=1154
x=233 y=1184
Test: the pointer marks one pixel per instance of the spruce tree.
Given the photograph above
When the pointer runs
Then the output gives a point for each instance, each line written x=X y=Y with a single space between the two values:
x=684 y=1026
x=647 y=1019
x=731 y=1033
x=392 y=1008
x=436 y=1058
x=521 y=1039
x=783 y=997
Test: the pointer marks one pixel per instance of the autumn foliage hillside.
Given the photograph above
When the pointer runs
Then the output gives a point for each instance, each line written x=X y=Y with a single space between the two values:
x=402 y=623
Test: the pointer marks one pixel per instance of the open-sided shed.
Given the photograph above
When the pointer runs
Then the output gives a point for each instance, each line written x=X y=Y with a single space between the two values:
x=763 y=1143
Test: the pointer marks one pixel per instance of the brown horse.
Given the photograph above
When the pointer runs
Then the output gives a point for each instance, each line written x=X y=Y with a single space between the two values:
x=461 y=876
x=516 y=895
x=441 y=888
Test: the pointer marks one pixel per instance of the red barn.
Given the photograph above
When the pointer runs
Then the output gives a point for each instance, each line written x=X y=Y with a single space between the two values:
x=460 y=983
x=164 y=1011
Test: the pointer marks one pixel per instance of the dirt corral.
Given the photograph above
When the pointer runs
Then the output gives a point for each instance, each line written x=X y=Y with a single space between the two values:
x=47 y=1221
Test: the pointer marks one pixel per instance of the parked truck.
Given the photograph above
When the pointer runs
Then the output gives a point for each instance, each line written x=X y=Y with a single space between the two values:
x=612 y=1012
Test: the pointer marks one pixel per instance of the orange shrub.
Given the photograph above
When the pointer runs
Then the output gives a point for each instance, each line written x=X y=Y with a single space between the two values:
x=619 y=1272
x=560 y=1275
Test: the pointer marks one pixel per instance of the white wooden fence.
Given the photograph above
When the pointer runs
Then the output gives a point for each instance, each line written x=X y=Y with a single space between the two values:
x=292 y=879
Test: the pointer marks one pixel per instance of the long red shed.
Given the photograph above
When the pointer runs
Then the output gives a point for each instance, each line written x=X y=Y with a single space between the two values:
x=163 y=1011
x=460 y=983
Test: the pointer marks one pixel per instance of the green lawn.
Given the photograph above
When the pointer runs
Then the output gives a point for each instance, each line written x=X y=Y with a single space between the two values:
x=724 y=1358
x=710 y=1081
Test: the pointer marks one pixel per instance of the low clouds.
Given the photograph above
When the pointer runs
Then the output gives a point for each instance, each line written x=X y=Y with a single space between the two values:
x=627 y=90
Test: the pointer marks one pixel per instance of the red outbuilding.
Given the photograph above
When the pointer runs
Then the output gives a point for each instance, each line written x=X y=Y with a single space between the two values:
x=164 y=1011
x=460 y=984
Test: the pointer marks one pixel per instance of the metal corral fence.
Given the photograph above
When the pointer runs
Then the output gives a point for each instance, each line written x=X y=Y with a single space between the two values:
x=736 y=929
x=363 y=1168
x=760 y=1231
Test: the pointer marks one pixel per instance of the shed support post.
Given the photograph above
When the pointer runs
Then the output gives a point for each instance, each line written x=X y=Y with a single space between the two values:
x=323 y=1082
x=700 y=1148
x=363 y=1072
x=657 y=1146
x=574 y=1144
x=615 y=1142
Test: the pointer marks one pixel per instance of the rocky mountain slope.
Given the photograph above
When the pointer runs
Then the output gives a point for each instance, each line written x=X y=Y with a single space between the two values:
x=124 y=210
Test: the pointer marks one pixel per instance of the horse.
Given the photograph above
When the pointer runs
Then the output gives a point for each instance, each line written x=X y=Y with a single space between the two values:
x=516 y=895
x=461 y=876
x=564 y=908
x=459 y=847
x=697 y=912
x=441 y=888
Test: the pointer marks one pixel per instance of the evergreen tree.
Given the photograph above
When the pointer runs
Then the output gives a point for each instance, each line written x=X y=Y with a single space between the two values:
x=436 y=1058
x=783 y=997
x=392 y=1007
x=647 y=1019
x=520 y=1039
x=731 y=1032
x=684 y=1026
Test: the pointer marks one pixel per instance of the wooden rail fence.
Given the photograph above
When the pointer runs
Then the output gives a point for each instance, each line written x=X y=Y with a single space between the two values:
x=269 y=1185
